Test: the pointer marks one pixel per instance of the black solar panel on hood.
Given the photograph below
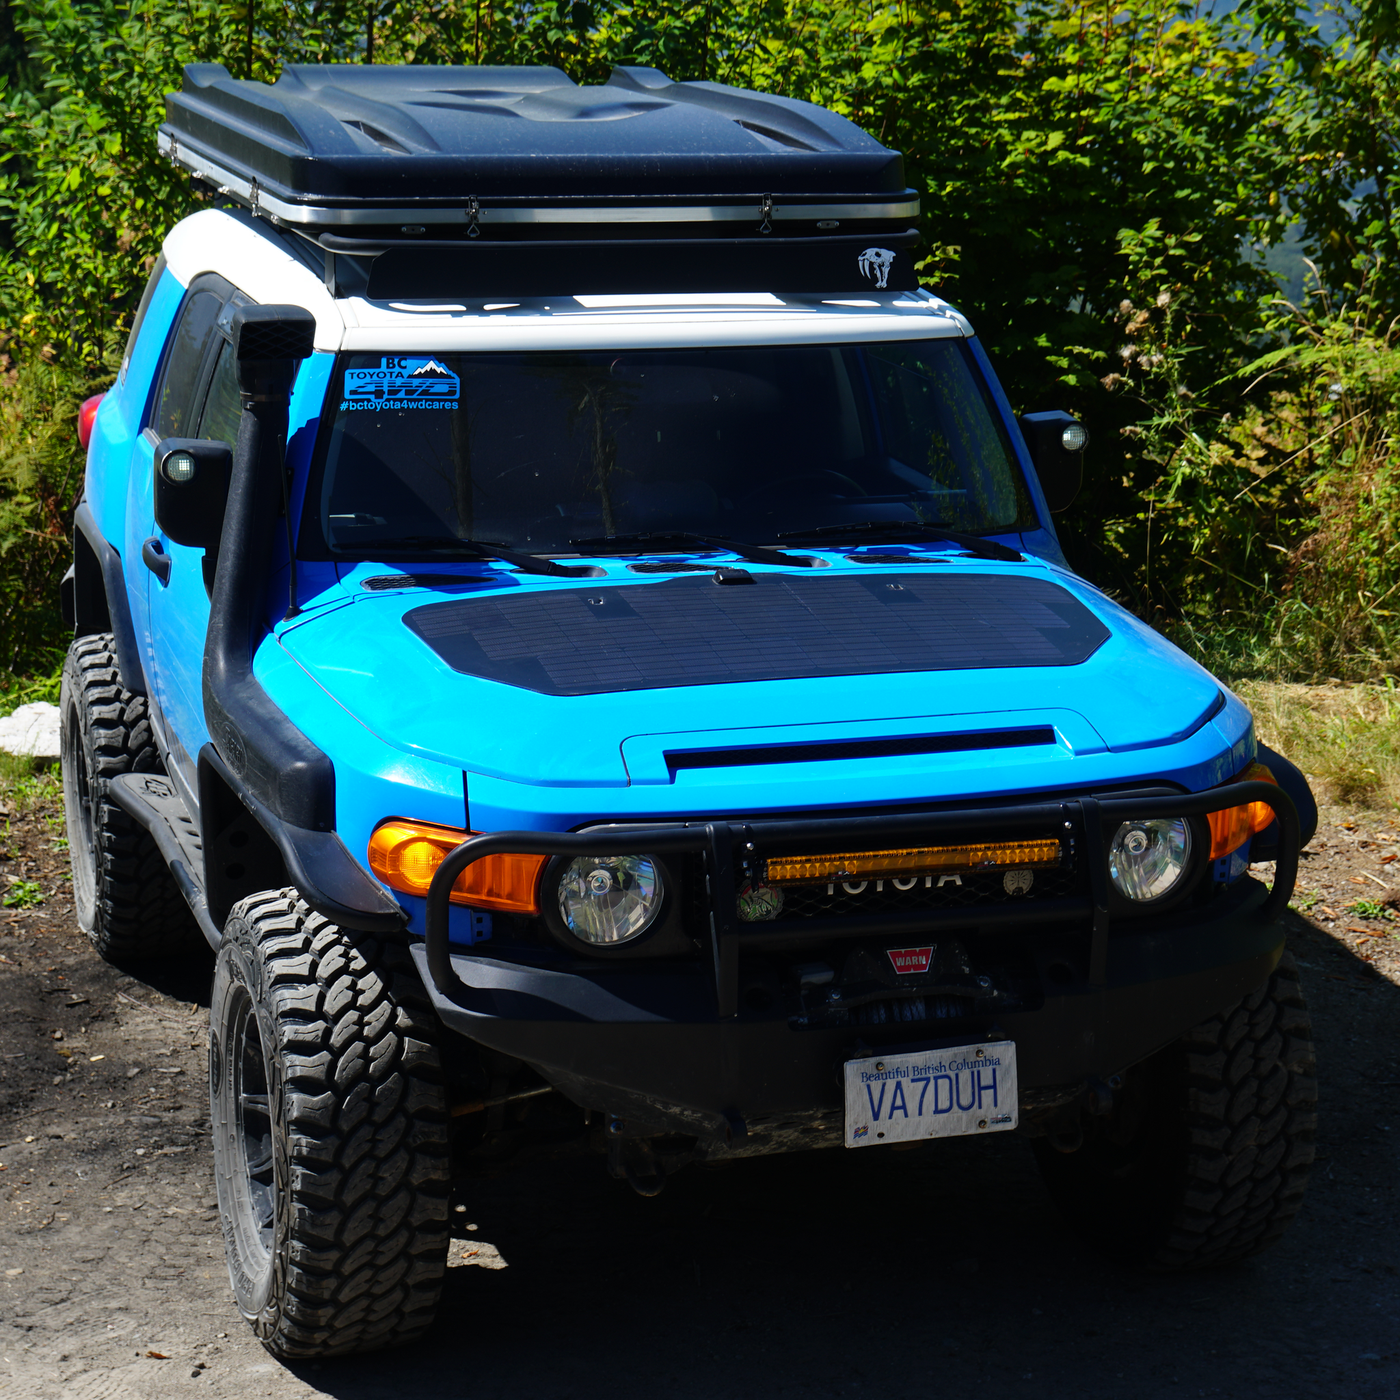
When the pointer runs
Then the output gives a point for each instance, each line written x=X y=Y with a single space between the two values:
x=688 y=631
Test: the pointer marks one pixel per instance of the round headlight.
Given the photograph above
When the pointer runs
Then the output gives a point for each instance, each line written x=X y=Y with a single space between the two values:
x=606 y=900
x=1075 y=438
x=1148 y=858
x=179 y=467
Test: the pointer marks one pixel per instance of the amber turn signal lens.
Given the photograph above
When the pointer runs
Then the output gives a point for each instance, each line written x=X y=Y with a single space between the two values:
x=1230 y=829
x=406 y=856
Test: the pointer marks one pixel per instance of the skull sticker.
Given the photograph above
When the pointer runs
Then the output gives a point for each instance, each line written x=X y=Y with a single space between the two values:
x=875 y=264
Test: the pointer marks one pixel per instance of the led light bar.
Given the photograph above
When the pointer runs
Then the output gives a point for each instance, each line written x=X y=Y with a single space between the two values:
x=916 y=860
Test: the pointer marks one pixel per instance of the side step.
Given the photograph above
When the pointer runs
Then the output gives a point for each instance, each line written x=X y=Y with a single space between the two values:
x=149 y=798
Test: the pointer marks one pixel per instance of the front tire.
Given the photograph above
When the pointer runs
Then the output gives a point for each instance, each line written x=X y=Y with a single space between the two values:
x=1205 y=1157
x=330 y=1132
x=125 y=898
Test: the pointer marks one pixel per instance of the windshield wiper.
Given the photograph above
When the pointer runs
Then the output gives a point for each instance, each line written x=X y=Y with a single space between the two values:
x=984 y=549
x=754 y=553
x=479 y=549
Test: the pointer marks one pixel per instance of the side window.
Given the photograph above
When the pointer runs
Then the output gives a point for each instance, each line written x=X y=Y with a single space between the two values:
x=141 y=309
x=222 y=405
x=177 y=403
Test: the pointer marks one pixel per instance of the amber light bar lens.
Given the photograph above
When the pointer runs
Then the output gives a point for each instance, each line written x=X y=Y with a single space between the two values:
x=406 y=856
x=1230 y=829
x=914 y=860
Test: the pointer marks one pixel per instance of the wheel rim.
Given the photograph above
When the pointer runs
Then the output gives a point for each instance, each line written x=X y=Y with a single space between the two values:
x=79 y=799
x=253 y=1175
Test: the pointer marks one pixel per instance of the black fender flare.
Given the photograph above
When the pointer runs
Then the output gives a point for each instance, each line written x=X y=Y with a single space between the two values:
x=318 y=863
x=1294 y=782
x=97 y=590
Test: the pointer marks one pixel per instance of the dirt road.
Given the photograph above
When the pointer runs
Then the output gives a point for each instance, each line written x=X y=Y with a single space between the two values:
x=936 y=1272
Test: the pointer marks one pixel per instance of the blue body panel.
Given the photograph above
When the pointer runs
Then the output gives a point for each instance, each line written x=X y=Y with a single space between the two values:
x=411 y=737
x=1135 y=692
x=406 y=731
x=117 y=482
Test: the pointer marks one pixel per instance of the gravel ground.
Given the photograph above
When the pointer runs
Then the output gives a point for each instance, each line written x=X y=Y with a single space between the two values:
x=937 y=1271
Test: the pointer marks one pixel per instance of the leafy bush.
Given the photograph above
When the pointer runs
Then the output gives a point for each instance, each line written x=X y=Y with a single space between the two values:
x=1100 y=188
x=41 y=472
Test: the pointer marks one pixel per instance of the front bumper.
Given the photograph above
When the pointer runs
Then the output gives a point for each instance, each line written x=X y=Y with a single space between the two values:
x=661 y=1048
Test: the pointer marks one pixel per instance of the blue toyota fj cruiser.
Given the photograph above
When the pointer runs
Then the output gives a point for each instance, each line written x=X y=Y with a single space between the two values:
x=581 y=634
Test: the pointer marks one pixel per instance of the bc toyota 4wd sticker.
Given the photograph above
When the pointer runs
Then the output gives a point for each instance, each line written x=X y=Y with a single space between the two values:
x=401 y=382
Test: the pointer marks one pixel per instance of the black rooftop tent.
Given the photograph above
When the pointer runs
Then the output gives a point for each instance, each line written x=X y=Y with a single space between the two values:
x=440 y=181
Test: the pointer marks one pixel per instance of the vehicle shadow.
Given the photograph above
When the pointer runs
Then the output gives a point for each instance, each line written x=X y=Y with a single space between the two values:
x=187 y=978
x=910 y=1272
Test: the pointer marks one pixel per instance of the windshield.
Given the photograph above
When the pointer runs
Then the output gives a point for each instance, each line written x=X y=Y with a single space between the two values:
x=538 y=451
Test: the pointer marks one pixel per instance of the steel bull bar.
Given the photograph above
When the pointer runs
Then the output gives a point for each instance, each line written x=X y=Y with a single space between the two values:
x=719 y=841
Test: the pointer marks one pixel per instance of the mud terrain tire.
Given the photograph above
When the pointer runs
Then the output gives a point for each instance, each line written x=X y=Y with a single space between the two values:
x=330 y=1132
x=1205 y=1157
x=125 y=898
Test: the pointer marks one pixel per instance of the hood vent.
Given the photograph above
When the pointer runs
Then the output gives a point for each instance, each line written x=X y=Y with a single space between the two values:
x=861 y=748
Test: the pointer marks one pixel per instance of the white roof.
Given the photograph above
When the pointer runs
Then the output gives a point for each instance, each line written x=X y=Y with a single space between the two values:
x=213 y=241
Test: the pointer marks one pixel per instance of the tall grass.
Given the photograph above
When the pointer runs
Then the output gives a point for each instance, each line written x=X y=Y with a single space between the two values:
x=1346 y=738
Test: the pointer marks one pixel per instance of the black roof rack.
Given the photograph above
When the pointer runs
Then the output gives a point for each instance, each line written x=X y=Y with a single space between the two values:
x=371 y=162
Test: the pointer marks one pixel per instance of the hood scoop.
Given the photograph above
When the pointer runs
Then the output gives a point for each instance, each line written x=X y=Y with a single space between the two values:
x=686 y=632
x=677 y=760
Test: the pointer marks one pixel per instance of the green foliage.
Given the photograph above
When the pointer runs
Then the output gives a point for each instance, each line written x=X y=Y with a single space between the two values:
x=17 y=690
x=1368 y=909
x=1100 y=189
x=40 y=476
x=1339 y=99
x=25 y=783
x=23 y=894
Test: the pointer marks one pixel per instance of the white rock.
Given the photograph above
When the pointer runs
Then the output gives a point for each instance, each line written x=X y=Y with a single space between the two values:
x=31 y=731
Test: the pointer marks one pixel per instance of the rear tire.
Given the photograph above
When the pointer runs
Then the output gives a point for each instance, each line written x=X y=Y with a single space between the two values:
x=330 y=1132
x=125 y=898
x=1205 y=1157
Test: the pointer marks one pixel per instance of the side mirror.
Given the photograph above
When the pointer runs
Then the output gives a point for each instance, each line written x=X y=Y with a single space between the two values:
x=191 y=490
x=1056 y=443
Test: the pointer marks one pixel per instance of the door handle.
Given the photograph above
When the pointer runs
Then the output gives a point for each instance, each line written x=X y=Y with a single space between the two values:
x=156 y=559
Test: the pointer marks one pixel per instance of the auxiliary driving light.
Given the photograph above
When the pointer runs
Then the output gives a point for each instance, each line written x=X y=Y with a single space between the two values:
x=1147 y=858
x=406 y=855
x=606 y=900
x=1075 y=437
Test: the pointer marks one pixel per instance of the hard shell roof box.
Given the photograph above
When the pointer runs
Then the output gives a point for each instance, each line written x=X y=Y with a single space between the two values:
x=353 y=146
x=421 y=181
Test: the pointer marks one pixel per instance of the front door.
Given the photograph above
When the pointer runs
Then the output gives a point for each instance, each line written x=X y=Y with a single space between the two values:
x=198 y=398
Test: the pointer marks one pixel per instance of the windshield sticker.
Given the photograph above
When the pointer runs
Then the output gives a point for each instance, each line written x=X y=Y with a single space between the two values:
x=399 y=382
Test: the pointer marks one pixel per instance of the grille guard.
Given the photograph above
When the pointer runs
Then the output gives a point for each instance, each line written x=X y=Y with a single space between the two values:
x=717 y=842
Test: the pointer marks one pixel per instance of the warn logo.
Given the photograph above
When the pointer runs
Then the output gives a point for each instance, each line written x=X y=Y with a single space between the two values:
x=910 y=960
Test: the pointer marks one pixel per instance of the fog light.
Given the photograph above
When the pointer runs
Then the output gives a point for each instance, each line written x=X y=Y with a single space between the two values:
x=606 y=900
x=1146 y=859
x=1075 y=438
x=179 y=468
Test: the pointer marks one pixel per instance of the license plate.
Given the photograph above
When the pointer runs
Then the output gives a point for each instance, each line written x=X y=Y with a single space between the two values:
x=919 y=1094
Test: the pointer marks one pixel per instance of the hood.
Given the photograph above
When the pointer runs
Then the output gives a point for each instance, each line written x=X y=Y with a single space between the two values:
x=629 y=680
